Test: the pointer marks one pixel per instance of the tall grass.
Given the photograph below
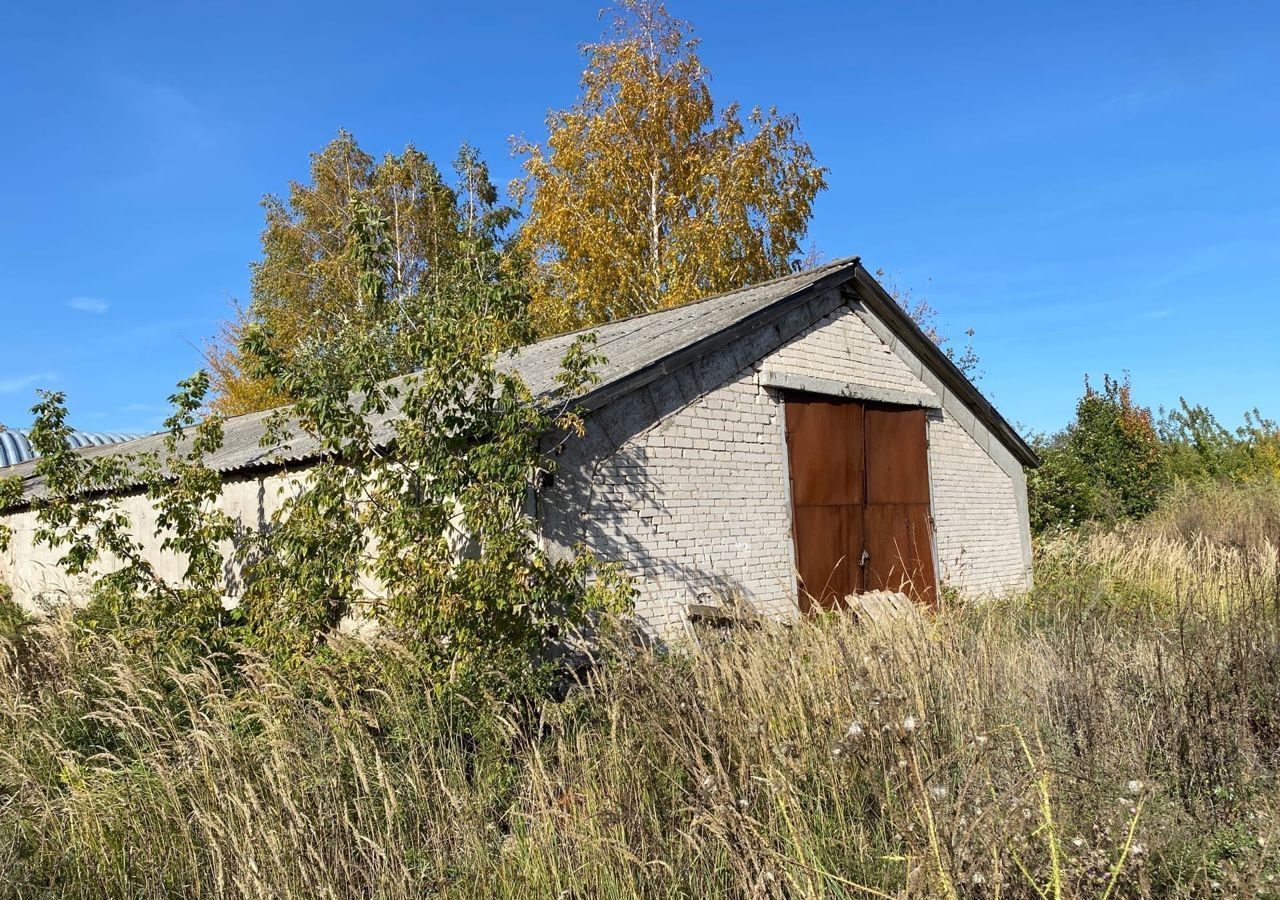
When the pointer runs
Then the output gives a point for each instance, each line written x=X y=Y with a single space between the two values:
x=1114 y=734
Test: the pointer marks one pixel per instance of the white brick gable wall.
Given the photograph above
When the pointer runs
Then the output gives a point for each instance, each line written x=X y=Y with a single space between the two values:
x=841 y=347
x=978 y=534
x=695 y=500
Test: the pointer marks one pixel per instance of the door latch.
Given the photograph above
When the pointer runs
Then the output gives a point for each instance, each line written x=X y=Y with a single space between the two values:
x=865 y=556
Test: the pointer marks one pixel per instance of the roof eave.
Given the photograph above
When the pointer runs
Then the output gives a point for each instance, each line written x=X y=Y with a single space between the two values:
x=607 y=393
x=880 y=302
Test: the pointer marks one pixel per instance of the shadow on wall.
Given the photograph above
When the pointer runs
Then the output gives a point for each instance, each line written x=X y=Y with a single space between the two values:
x=625 y=518
x=53 y=590
x=232 y=566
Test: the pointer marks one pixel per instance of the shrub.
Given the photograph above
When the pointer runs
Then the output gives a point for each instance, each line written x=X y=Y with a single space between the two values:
x=14 y=620
x=1108 y=464
x=1115 y=461
x=1199 y=448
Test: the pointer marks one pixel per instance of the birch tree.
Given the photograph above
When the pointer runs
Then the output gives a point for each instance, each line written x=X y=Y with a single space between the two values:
x=645 y=196
x=305 y=288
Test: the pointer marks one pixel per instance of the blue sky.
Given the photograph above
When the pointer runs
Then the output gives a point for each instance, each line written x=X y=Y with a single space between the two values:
x=1092 y=187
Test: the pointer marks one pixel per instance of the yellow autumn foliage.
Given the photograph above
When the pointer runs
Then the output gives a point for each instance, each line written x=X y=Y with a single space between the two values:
x=644 y=196
x=305 y=286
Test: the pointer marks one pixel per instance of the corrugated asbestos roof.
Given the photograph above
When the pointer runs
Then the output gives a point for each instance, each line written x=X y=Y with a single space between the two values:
x=15 y=444
x=635 y=349
x=630 y=345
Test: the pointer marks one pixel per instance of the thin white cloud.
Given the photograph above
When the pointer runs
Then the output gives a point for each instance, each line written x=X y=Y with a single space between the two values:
x=169 y=113
x=95 y=305
x=156 y=408
x=170 y=135
x=17 y=383
x=1138 y=100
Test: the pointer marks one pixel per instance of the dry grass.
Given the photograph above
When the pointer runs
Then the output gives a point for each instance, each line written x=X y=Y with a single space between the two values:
x=1115 y=734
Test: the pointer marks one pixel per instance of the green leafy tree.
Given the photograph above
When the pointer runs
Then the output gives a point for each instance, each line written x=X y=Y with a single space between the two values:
x=417 y=513
x=645 y=195
x=1061 y=492
x=312 y=292
x=79 y=510
x=435 y=540
x=1106 y=465
x=1199 y=448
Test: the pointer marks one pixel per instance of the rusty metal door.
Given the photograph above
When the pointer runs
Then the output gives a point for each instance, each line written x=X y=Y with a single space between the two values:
x=860 y=499
x=824 y=442
x=897 y=523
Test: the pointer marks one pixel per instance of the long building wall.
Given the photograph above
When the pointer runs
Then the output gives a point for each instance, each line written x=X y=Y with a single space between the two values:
x=696 y=504
x=685 y=481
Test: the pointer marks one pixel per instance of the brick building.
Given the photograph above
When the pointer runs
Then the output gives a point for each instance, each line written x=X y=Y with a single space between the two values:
x=692 y=474
x=785 y=444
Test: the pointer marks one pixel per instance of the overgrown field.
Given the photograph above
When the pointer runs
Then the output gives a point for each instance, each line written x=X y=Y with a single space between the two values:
x=1114 y=734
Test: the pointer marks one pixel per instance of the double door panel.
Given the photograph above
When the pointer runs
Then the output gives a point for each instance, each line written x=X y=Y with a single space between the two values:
x=860 y=499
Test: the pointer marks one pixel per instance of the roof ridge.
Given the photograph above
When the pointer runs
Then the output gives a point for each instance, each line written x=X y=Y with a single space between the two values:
x=26 y=432
x=832 y=265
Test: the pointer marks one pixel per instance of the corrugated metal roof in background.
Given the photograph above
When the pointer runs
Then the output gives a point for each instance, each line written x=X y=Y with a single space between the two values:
x=15 y=444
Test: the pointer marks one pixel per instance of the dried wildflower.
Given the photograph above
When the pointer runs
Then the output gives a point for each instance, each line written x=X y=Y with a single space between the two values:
x=909 y=724
x=1135 y=786
x=938 y=791
x=855 y=731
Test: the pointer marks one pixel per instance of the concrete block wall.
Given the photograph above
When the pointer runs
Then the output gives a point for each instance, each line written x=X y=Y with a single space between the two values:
x=698 y=501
